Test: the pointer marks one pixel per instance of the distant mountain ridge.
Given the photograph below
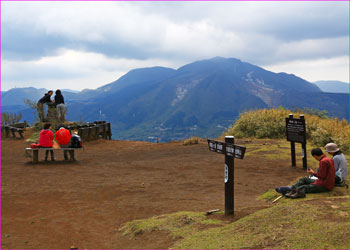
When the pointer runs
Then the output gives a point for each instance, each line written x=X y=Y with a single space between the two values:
x=333 y=86
x=201 y=98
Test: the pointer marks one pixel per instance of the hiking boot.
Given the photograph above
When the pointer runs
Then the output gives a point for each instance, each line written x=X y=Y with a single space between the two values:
x=292 y=191
x=300 y=193
x=283 y=190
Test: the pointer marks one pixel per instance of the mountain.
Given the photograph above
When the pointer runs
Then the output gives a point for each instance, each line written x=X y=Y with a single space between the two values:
x=333 y=86
x=202 y=98
x=16 y=96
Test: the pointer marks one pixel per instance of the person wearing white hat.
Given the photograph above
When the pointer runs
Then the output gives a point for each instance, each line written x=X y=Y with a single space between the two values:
x=339 y=162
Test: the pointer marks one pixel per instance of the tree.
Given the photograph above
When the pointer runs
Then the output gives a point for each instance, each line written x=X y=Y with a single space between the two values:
x=10 y=118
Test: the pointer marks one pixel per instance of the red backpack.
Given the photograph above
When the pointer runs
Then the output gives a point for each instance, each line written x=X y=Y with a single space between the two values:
x=35 y=145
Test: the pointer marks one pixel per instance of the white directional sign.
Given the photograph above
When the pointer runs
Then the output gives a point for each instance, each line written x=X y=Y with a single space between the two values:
x=227 y=148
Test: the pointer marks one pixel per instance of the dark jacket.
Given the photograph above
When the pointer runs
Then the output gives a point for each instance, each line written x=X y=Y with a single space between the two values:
x=45 y=99
x=59 y=99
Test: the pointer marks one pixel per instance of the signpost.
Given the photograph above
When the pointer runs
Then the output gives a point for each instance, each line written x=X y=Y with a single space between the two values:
x=296 y=132
x=231 y=151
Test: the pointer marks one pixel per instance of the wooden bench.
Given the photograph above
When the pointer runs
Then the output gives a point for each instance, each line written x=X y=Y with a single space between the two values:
x=35 y=152
x=15 y=128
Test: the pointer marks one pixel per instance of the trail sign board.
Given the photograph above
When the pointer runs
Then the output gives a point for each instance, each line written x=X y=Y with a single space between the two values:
x=295 y=129
x=296 y=132
x=231 y=151
x=228 y=149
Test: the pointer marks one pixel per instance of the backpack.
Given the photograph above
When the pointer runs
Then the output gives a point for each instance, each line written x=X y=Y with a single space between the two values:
x=34 y=145
x=75 y=141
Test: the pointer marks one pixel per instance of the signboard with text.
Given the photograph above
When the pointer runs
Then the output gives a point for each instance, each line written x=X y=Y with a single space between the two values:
x=295 y=129
x=228 y=149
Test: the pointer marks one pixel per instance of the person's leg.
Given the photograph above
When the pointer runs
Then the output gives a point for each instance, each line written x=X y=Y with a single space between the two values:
x=40 y=109
x=65 y=152
x=46 y=154
x=303 y=181
x=58 y=110
x=63 y=114
x=311 y=188
x=337 y=180
x=52 y=155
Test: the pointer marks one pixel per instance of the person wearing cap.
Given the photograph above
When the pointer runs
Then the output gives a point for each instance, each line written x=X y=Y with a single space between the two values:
x=339 y=162
x=63 y=138
x=324 y=182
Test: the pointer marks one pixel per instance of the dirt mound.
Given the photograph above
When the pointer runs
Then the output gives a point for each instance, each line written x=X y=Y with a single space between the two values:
x=58 y=204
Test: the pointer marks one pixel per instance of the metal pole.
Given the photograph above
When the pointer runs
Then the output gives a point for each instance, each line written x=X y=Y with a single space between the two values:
x=292 y=148
x=229 y=180
x=303 y=147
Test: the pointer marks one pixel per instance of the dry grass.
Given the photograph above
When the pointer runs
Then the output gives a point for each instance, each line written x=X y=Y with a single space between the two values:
x=270 y=123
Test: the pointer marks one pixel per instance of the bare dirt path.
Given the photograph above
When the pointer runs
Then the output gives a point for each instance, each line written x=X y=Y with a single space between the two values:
x=56 y=205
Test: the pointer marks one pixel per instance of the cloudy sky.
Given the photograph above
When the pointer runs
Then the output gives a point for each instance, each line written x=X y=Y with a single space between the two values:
x=80 y=45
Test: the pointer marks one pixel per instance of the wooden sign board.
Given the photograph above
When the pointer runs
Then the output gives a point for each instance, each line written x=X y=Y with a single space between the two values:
x=235 y=151
x=228 y=149
x=295 y=129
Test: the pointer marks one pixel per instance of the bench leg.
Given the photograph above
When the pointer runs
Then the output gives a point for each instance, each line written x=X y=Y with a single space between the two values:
x=35 y=156
x=71 y=154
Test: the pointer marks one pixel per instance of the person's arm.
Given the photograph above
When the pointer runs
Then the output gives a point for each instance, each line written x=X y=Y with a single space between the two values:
x=322 y=171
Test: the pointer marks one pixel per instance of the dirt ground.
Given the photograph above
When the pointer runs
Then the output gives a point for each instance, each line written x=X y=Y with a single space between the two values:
x=57 y=205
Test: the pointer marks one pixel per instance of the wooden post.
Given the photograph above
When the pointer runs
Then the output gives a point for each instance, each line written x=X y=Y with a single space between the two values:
x=303 y=148
x=292 y=148
x=109 y=131
x=229 y=180
x=7 y=130
x=104 y=131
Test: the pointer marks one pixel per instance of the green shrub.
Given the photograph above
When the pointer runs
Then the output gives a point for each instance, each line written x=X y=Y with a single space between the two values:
x=270 y=123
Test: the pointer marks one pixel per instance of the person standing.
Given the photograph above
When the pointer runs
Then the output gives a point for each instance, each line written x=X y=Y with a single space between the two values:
x=63 y=138
x=61 y=108
x=45 y=140
x=40 y=105
x=339 y=162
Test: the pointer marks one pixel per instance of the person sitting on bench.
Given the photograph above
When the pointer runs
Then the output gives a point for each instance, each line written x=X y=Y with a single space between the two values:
x=45 y=140
x=63 y=138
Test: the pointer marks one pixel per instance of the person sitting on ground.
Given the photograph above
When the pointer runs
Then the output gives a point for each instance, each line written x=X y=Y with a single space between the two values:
x=61 y=108
x=339 y=162
x=323 y=182
x=40 y=104
x=45 y=140
x=63 y=138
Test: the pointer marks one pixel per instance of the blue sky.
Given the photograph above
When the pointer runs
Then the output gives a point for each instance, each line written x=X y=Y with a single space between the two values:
x=80 y=45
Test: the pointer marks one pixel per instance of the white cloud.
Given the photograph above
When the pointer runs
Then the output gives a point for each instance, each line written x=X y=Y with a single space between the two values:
x=71 y=69
x=315 y=70
x=93 y=43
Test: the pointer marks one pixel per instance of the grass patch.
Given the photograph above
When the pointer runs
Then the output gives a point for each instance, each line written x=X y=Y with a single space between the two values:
x=191 y=141
x=179 y=225
x=34 y=137
x=296 y=225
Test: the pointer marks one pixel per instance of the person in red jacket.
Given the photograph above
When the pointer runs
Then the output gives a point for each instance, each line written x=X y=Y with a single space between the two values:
x=320 y=181
x=63 y=138
x=45 y=140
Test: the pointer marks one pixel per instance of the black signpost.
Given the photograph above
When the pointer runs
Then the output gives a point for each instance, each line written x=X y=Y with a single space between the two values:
x=231 y=151
x=296 y=132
